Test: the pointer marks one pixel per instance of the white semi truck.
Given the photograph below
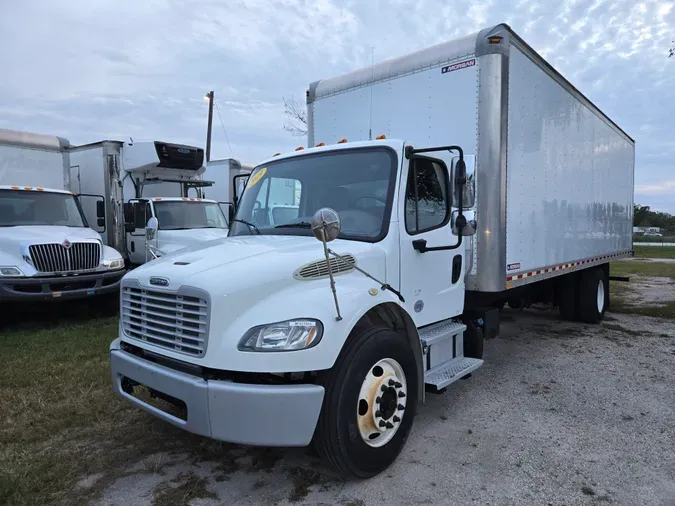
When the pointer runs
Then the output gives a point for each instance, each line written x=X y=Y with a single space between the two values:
x=464 y=175
x=47 y=249
x=145 y=180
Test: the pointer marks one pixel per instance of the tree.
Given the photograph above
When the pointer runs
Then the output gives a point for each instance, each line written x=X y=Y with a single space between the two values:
x=640 y=214
x=297 y=117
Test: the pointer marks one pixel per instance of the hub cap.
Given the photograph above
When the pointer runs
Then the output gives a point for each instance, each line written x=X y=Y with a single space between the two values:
x=381 y=404
x=601 y=296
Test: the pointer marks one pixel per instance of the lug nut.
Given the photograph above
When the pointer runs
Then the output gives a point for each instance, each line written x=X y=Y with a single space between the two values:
x=378 y=414
x=383 y=423
x=401 y=407
x=390 y=425
x=398 y=385
x=383 y=388
x=378 y=399
x=401 y=395
x=396 y=419
x=392 y=383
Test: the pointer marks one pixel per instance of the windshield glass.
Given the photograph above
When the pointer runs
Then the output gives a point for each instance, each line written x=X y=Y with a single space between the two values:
x=282 y=197
x=25 y=208
x=181 y=215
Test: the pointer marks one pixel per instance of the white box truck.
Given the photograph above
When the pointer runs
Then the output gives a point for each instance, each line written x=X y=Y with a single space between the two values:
x=47 y=249
x=148 y=180
x=465 y=175
x=229 y=180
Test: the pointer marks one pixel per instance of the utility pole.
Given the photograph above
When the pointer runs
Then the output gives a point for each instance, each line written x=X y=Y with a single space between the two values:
x=209 y=97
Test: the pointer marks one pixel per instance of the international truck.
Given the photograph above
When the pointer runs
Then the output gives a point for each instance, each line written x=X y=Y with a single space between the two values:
x=143 y=181
x=436 y=187
x=47 y=249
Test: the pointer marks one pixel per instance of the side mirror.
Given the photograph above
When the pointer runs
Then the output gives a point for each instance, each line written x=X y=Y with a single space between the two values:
x=326 y=224
x=100 y=210
x=151 y=229
x=469 y=228
x=468 y=171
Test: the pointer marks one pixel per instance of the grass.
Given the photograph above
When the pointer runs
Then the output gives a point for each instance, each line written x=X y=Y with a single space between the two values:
x=60 y=422
x=654 y=251
x=637 y=268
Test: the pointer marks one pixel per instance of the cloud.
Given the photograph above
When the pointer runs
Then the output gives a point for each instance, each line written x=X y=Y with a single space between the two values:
x=116 y=68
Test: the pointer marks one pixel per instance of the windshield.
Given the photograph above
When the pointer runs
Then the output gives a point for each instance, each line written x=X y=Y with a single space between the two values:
x=282 y=197
x=181 y=215
x=26 y=208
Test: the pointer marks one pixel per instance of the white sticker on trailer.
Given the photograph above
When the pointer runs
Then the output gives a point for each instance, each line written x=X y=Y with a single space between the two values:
x=458 y=66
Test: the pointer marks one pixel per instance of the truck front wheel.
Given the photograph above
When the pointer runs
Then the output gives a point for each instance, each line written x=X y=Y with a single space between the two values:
x=369 y=404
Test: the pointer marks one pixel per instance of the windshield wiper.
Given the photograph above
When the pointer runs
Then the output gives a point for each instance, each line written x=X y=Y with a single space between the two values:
x=300 y=224
x=248 y=224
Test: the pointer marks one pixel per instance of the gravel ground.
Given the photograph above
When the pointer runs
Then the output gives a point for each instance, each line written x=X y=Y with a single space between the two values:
x=560 y=414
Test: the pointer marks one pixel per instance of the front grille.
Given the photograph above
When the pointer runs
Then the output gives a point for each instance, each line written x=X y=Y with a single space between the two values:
x=80 y=256
x=174 y=321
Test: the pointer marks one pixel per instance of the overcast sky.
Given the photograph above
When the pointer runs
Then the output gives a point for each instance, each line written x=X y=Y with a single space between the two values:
x=89 y=70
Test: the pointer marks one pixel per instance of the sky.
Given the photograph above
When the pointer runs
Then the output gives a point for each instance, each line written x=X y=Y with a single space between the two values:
x=114 y=69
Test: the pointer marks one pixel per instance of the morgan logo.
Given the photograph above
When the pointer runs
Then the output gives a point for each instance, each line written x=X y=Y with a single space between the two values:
x=458 y=66
x=159 y=281
x=513 y=267
x=66 y=244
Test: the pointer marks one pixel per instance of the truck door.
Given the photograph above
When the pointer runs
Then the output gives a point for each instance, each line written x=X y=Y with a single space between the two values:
x=142 y=212
x=431 y=282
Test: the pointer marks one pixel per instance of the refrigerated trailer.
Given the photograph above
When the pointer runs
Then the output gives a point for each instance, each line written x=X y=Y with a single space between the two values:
x=47 y=249
x=440 y=185
x=148 y=180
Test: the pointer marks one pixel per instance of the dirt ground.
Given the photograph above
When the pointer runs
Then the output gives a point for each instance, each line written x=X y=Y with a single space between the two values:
x=560 y=414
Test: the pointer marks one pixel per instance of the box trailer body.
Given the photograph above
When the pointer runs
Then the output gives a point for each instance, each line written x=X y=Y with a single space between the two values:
x=435 y=188
x=143 y=180
x=554 y=176
x=229 y=179
x=47 y=249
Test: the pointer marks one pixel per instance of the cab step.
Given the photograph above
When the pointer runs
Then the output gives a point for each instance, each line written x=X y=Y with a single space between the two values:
x=445 y=374
x=440 y=332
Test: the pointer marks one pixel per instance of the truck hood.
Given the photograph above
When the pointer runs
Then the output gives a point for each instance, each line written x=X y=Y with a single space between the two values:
x=12 y=239
x=173 y=240
x=231 y=264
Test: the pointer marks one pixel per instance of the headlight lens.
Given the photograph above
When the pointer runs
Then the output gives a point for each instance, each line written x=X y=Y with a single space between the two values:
x=11 y=271
x=112 y=265
x=283 y=336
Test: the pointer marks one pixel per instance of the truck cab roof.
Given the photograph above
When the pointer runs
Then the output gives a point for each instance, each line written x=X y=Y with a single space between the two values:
x=33 y=188
x=178 y=199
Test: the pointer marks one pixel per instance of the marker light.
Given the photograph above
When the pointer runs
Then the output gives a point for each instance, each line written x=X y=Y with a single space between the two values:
x=276 y=154
x=342 y=141
x=380 y=137
x=320 y=144
x=299 y=148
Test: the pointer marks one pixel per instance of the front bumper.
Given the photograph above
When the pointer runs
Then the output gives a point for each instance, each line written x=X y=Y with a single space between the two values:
x=61 y=287
x=261 y=415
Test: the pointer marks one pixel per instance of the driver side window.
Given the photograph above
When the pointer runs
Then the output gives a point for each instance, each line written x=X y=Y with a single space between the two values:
x=426 y=203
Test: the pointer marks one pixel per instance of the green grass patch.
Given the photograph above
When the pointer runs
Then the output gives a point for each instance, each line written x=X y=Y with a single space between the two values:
x=61 y=422
x=654 y=251
x=637 y=268
x=662 y=311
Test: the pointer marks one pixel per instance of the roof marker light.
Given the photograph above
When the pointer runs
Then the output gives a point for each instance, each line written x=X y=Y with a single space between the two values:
x=342 y=141
x=276 y=154
x=320 y=144
x=495 y=39
x=40 y=189
x=15 y=187
x=299 y=148
x=27 y=188
x=380 y=137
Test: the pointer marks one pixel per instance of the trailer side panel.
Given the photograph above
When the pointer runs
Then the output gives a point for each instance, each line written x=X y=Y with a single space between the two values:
x=569 y=179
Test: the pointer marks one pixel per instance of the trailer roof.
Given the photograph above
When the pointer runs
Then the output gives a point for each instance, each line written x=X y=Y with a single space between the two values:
x=473 y=44
x=19 y=138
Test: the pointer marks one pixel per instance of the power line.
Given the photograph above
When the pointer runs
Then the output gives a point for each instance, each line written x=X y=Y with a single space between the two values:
x=223 y=125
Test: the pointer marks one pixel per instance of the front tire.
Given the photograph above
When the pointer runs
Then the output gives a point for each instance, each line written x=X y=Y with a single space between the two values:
x=369 y=404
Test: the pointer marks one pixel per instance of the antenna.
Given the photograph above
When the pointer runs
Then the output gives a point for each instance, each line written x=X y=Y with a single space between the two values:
x=372 y=77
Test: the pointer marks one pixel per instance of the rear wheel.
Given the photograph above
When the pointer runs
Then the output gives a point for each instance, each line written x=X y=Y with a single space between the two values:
x=593 y=295
x=369 y=404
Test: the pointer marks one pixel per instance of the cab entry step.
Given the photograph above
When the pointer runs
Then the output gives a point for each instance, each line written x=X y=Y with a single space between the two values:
x=453 y=370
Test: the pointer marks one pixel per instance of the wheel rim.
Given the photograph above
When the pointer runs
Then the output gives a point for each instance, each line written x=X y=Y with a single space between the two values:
x=381 y=404
x=601 y=296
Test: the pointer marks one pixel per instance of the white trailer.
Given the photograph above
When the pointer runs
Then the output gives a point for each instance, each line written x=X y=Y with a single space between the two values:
x=466 y=175
x=47 y=249
x=145 y=180
x=229 y=179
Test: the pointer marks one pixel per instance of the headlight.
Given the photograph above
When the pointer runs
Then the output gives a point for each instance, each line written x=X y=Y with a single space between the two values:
x=11 y=271
x=283 y=336
x=112 y=265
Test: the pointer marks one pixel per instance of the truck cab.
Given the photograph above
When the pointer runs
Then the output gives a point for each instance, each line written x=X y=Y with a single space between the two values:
x=48 y=251
x=181 y=222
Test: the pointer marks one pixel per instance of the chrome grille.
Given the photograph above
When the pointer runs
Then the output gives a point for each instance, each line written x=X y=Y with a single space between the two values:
x=80 y=256
x=319 y=269
x=174 y=321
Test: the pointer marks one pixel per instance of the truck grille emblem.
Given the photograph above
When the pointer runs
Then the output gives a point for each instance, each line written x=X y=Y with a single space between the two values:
x=159 y=281
x=66 y=244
